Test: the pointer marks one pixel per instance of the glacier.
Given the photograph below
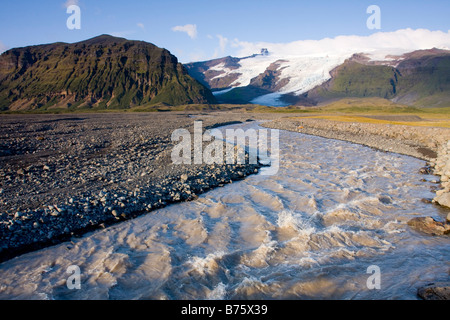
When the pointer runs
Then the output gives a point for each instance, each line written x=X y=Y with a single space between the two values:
x=305 y=64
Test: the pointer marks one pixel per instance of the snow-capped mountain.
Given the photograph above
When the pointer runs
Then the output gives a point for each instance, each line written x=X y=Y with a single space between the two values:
x=281 y=81
x=278 y=75
x=281 y=77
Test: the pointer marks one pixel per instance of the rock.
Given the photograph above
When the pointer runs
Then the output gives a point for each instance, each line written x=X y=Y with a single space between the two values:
x=448 y=217
x=54 y=213
x=385 y=200
x=429 y=226
x=443 y=199
x=184 y=177
x=439 y=291
x=176 y=197
x=426 y=170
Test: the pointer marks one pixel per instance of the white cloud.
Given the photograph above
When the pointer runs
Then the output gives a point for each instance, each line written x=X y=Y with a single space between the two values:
x=69 y=3
x=223 y=42
x=197 y=56
x=141 y=25
x=190 y=29
x=378 y=44
x=123 y=34
x=3 y=48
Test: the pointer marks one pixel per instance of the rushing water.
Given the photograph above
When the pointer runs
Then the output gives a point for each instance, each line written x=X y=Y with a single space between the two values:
x=310 y=231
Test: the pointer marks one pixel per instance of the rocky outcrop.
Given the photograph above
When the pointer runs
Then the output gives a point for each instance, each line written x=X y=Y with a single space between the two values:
x=271 y=79
x=439 y=291
x=211 y=73
x=429 y=226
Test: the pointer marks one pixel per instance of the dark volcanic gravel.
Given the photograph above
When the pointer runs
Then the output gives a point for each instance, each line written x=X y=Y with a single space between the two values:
x=64 y=175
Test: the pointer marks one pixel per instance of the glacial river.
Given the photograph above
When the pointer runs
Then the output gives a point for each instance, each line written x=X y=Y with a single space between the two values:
x=309 y=232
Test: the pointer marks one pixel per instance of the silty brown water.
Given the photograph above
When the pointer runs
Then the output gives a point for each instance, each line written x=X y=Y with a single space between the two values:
x=309 y=232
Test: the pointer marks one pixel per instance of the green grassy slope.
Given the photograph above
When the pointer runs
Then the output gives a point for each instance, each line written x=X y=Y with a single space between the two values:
x=419 y=81
x=104 y=72
x=353 y=79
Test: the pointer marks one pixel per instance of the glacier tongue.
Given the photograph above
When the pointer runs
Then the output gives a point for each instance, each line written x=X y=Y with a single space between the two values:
x=306 y=72
x=271 y=99
x=303 y=72
x=251 y=68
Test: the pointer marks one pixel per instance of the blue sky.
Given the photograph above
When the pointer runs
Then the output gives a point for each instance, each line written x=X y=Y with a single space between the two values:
x=215 y=27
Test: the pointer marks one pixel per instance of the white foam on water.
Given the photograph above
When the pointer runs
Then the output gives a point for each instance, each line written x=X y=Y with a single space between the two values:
x=290 y=219
x=260 y=257
x=206 y=265
x=218 y=293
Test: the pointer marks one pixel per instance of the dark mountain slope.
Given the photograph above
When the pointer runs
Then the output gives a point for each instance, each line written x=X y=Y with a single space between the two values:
x=102 y=72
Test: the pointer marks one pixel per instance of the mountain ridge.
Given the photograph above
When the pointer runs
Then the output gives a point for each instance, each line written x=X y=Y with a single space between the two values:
x=103 y=72
x=418 y=78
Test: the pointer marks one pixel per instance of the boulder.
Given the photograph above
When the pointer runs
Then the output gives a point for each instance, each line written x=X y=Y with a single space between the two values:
x=435 y=292
x=443 y=199
x=429 y=225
